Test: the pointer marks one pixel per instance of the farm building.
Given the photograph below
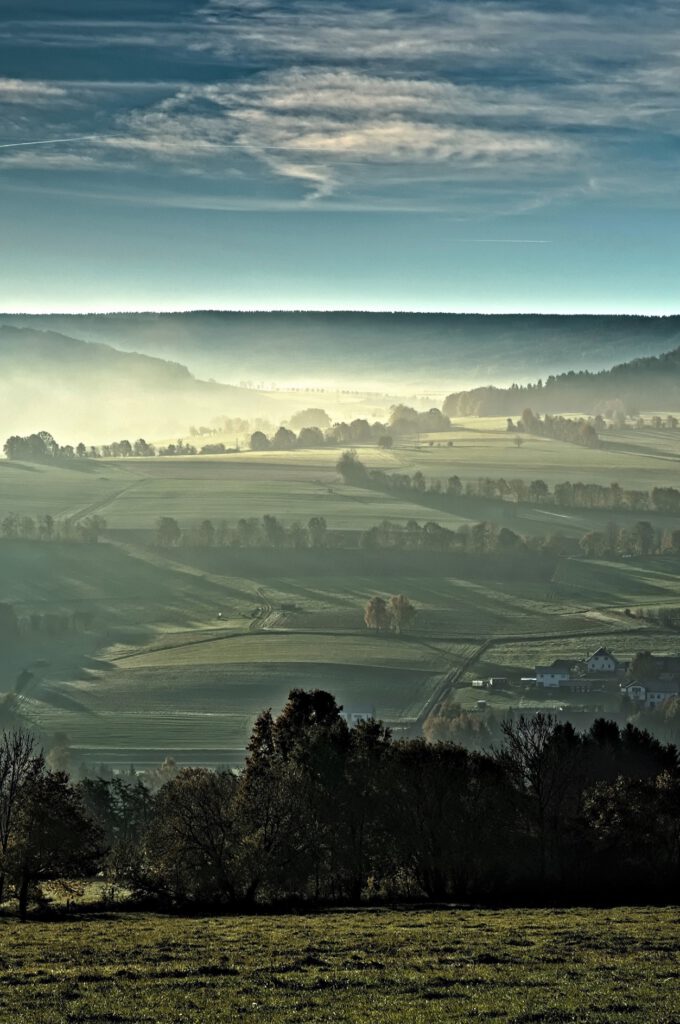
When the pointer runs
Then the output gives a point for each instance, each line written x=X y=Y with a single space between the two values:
x=553 y=675
x=652 y=694
x=601 y=660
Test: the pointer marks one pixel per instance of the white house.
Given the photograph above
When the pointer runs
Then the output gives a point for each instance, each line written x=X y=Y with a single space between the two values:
x=552 y=675
x=657 y=693
x=355 y=715
x=601 y=660
x=636 y=692
x=651 y=695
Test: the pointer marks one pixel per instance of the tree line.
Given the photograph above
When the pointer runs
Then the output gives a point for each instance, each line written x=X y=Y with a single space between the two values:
x=403 y=421
x=322 y=812
x=567 y=494
x=265 y=532
x=42 y=447
x=12 y=625
x=560 y=428
x=46 y=528
x=483 y=538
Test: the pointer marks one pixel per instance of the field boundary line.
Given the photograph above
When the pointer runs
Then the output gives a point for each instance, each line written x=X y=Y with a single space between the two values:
x=96 y=506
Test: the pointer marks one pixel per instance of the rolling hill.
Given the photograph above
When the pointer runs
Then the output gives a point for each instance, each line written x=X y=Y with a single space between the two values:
x=91 y=391
x=382 y=350
x=651 y=383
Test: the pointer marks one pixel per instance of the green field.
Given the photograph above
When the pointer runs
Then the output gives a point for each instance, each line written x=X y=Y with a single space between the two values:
x=516 y=966
x=199 y=700
x=132 y=493
x=135 y=684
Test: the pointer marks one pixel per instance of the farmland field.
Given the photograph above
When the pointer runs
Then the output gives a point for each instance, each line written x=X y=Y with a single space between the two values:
x=517 y=966
x=183 y=647
x=132 y=493
x=203 y=697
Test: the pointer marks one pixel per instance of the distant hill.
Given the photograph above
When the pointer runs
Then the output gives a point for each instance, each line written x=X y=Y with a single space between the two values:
x=373 y=350
x=650 y=384
x=94 y=392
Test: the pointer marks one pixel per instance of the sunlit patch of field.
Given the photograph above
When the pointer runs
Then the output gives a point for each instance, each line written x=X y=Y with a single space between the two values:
x=367 y=650
x=131 y=494
x=635 y=581
x=60 y=490
x=478 y=452
x=614 y=966
x=180 y=706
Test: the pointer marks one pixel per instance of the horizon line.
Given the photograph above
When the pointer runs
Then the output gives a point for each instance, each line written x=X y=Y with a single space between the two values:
x=331 y=310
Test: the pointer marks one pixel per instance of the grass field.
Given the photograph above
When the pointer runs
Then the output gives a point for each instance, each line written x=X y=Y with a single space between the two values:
x=132 y=493
x=203 y=697
x=618 y=966
x=158 y=673
x=198 y=700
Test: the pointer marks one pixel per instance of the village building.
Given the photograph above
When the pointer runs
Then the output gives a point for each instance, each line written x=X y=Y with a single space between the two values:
x=553 y=676
x=652 y=694
x=601 y=660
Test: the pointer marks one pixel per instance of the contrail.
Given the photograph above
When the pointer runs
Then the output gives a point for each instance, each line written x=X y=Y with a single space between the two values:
x=45 y=142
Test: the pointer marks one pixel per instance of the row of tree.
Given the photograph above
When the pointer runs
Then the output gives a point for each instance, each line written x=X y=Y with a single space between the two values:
x=42 y=447
x=46 y=528
x=580 y=431
x=267 y=532
x=665 y=500
x=403 y=421
x=482 y=538
x=640 y=539
x=13 y=626
x=324 y=812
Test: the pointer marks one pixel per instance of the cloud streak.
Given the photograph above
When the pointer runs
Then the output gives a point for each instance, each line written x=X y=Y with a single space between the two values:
x=328 y=129
x=374 y=102
x=45 y=142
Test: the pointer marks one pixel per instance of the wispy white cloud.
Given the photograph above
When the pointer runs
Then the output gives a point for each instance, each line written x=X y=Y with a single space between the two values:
x=376 y=102
x=17 y=90
x=32 y=160
x=327 y=128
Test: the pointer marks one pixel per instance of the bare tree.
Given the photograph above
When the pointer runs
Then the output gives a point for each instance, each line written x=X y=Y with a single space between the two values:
x=19 y=761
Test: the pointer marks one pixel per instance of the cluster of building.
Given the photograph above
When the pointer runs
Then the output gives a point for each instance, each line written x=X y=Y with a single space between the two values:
x=649 y=680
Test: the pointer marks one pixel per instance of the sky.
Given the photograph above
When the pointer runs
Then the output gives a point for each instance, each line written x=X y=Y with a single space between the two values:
x=415 y=154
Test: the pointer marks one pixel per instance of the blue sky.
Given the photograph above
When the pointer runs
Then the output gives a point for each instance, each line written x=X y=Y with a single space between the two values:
x=418 y=154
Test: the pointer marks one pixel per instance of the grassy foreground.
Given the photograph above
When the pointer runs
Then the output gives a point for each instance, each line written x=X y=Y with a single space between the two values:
x=380 y=966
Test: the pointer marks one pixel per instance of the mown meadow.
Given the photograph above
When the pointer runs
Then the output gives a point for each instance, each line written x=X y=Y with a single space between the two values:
x=602 y=966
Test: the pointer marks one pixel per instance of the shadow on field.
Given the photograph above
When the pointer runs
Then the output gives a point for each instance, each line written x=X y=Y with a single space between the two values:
x=56 y=698
x=7 y=464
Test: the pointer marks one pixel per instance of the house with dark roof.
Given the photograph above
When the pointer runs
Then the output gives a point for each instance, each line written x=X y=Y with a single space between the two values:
x=601 y=660
x=652 y=694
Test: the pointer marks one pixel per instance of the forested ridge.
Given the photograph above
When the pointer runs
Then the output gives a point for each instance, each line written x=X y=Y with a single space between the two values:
x=648 y=382
x=463 y=346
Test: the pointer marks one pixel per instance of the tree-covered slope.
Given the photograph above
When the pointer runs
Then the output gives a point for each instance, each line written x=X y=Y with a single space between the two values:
x=651 y=383
x=89 y=390
x=423 y=349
